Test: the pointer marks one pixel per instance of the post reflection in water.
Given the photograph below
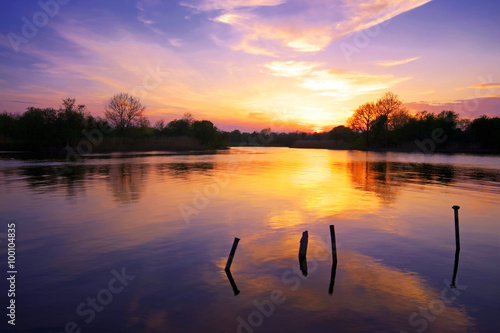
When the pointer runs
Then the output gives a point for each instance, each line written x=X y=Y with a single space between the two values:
x=303 y=265
x=455 y=269
x=334 y=258
x=231 y=281
x=332 y=277
x=303 y=252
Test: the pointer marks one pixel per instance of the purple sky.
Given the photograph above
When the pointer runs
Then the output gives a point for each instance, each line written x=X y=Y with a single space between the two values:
x=284 y=64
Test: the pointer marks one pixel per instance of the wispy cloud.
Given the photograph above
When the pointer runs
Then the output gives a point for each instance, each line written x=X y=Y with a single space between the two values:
x=363 y=14
x=391 y=63
x=124 y=63
x=177 y=42
x=211 y=5
x=291 y=68
x=309 y=30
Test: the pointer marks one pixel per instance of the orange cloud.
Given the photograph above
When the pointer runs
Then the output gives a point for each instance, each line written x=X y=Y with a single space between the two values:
x=485 y=86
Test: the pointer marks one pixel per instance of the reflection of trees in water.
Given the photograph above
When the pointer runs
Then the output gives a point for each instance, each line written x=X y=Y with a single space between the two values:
x=482 y=175
x=426 y=173
x=374 y=177
x=127 y=180
x=182 y=170
x=44 y=178
x=383 y=178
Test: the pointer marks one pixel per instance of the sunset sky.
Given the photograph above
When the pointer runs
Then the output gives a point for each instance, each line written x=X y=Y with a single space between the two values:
x=252 y=64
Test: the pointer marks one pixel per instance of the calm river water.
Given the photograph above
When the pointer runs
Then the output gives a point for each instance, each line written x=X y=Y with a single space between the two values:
x=139 y=242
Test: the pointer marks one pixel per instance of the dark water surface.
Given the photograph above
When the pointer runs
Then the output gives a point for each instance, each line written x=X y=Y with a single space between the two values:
x=138 y=243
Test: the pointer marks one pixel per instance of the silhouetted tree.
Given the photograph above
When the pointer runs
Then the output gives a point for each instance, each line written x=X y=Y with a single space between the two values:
x=124 y=111
x=38 y=127
x=341 y=133
x=71 y=120
x=235 y=136
x=485 y=131
x=180 y=127
x=160 y=125
x=391 y=112
x=8 y=125
x=362 y=119
x=205 y=132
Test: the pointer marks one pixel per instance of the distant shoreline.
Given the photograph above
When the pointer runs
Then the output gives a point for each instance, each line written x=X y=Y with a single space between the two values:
x=198 y=149
x=329 y=146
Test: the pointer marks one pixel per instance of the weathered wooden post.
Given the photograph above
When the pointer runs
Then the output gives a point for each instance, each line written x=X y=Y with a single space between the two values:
x=457 y=232
x=334 y=243
x=303 y=245
x=231 y=254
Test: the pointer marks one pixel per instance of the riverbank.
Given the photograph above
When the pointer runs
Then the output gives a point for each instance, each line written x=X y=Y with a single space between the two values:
x=115 y=144
x=404 y=148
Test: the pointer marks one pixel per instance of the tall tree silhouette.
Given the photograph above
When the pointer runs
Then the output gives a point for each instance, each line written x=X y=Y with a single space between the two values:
x=124 y=111
x=391 y=112
x=362 y=119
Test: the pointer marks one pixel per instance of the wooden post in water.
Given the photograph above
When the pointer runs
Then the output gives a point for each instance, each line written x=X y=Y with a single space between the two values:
x=334 y=259
x=457 y=231
x=231 y=254
x=457 y=251
x=334 y=243
x=303 y=245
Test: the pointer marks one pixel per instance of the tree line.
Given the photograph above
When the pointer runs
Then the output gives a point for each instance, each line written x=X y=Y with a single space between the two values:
x=382 y=124
x=49 y=129
x=386 y=124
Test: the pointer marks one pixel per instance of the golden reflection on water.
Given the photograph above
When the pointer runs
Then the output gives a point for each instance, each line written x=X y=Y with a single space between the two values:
x=269 y=198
